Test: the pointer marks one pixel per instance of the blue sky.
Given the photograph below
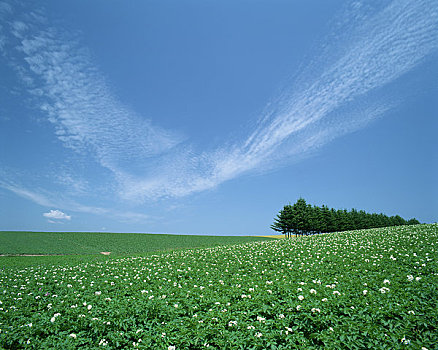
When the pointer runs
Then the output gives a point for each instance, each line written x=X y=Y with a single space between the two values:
x=206 y=117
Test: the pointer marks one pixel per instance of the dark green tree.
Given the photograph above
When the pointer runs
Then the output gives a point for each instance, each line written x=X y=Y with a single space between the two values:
x=281 y=221
x=413 y=221
x=302 y=218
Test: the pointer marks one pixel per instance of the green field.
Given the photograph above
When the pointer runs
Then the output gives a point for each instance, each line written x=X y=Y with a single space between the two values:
x=368 y=289
x=80 y=243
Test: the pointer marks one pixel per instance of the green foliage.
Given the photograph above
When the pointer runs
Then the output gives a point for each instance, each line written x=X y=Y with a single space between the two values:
x=302 y=218
x=370 y=289
x=117 y=243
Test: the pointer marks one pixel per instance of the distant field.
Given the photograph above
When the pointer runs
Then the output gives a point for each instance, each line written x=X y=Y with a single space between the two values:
x=84 y=243
x=274 y=236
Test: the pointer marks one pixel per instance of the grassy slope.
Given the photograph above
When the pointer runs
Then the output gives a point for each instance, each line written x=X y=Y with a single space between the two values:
x=116 y=243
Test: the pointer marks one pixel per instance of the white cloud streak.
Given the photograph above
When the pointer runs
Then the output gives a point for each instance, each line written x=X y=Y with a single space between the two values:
x=75 y=97
x=47 y=199
x=380 y=46
x=27 y=194
x=388 y=44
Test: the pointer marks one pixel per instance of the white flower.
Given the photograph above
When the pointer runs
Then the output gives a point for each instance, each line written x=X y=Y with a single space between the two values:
x=335 y=292
x=312 y=291
x=386 y=282
x=171 y=347
x=405 y=341
x=53 y=319
x=232 y=323
x=315 y=310
x=417 y=278
x=410 y=277
x=98 y=292
x=258 y=334
x=73 y=335
x=175 y=305
x=300 y=297
x=89 y=307
x=324 y=299
x=261 y=319
x=298 y=307
x=411 y=312
x=365 y=292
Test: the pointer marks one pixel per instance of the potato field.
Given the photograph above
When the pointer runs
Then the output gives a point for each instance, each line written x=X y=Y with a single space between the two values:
x=368 y=289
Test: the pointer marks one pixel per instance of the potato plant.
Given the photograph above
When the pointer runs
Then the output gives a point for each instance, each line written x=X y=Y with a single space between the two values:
x=368 y=289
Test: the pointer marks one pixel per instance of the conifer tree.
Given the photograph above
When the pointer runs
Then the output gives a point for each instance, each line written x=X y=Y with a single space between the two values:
x=302 y=218
x=280 y=222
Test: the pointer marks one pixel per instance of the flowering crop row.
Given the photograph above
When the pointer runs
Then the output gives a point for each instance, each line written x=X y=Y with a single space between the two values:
x=375 y=289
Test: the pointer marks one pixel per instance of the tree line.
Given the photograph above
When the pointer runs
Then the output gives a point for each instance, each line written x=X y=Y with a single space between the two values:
x=304 y=219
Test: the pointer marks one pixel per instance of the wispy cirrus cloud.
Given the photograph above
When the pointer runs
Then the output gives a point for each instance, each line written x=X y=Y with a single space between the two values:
x=328 y=98
x=33 y=196
x=388 y=42
x=76 y=98
x=379 y=50
x=49 y=199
